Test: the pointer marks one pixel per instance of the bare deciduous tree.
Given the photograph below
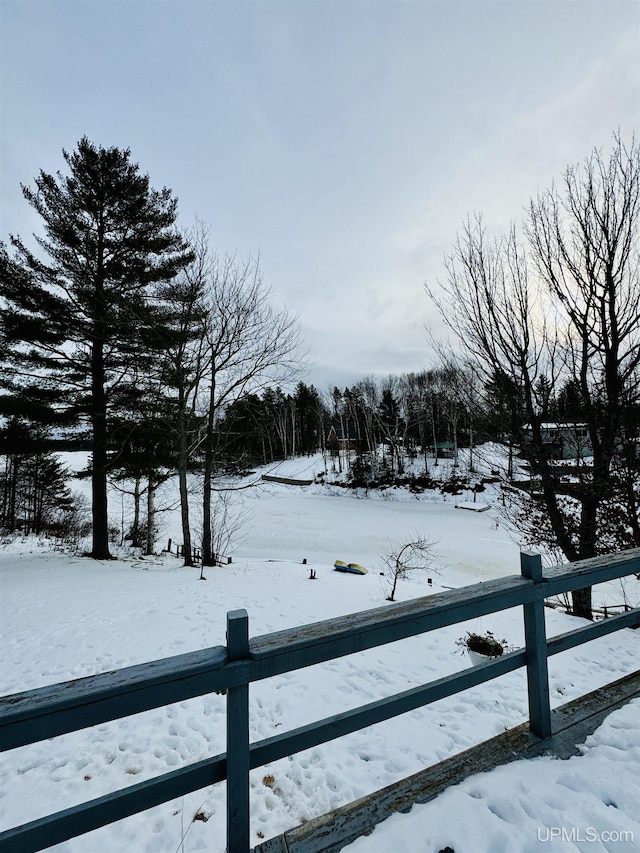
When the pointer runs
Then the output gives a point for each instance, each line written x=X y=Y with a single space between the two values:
x=229 y=516
x=249 y=345
x=565 y=306
x=417 y=555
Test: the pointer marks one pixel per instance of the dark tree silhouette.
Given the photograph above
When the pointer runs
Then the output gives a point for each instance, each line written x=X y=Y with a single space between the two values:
x=72 y=314
x=565 y=306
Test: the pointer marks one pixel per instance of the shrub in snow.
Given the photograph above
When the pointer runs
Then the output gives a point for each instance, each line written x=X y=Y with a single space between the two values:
x=482 y=644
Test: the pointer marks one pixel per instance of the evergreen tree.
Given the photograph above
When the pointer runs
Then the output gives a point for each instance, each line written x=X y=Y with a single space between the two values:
x=34 y=496
x=71 y=316
x=308 y=418
x=248 y=428
x=392 y=427
x=570 y=402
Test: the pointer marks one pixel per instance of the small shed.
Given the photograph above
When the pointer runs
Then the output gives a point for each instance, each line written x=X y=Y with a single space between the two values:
x=444 y=450
x=341 y=438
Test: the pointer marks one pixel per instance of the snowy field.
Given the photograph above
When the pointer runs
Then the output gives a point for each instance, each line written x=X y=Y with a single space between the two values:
x=63 y=617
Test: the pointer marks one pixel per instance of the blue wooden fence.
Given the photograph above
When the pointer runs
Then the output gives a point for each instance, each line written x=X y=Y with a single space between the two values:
x=55 y=710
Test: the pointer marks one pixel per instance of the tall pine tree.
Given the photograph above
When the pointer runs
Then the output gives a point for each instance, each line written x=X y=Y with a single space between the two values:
x=74 y=315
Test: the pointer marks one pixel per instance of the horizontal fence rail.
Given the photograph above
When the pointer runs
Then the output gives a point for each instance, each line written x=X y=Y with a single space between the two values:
x=58 y=709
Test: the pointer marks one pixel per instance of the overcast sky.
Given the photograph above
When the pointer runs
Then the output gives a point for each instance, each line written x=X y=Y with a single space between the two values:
x=345 y=142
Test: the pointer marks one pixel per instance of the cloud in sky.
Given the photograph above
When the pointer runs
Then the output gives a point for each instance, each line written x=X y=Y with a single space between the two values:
x=345 y=142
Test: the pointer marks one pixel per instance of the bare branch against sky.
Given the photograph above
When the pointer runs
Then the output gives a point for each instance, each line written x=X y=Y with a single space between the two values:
x=346 y=142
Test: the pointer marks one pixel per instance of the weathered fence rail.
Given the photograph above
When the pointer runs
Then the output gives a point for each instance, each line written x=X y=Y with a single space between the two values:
x=196 y=554
x=55 y=710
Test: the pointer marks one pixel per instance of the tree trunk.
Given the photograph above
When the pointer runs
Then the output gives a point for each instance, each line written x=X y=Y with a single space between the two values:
x=184 y=515
x=632 y=498
x=207 y=552
x=151 y=513
x=35 y=526
x=184 y=494
x=11 y=512
x=433 y=426
x=454 y=431
x=422 y=426
x=100 y=547
x=39 y=489
x=293 y=429
x=135 y=528
x=343 y=439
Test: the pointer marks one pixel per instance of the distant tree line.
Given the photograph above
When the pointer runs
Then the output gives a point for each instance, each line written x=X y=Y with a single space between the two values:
x=373 y=429
x=34 y=491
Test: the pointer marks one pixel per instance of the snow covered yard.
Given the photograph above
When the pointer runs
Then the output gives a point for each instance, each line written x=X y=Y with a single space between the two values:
x=64 y=617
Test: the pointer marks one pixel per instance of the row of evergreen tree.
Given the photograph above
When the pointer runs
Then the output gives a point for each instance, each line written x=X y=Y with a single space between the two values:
x=426 y=414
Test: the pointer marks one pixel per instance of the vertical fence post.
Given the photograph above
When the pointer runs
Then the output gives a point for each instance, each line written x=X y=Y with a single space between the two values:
x=535 y=638
x=238 y=739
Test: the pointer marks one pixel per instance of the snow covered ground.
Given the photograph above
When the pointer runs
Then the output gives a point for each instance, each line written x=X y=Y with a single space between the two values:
x=62 y=617
x=588 y=803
